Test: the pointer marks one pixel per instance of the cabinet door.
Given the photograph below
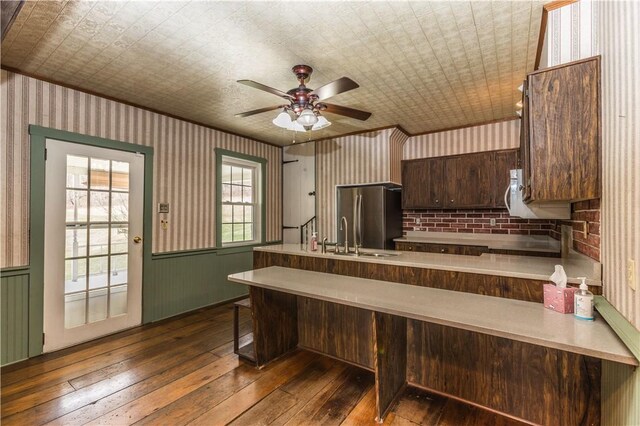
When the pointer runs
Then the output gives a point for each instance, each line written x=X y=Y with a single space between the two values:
x=469 y=181
x=422 y=183
x=564 y=132
x=504 y=162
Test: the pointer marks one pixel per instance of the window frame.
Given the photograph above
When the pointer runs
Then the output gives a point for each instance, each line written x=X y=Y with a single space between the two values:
x=260 y=193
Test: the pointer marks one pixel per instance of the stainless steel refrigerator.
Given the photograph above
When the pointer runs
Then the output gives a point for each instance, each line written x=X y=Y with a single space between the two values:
x=373 y=214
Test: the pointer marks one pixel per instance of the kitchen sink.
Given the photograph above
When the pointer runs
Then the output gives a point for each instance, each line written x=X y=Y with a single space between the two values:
x=380 y=254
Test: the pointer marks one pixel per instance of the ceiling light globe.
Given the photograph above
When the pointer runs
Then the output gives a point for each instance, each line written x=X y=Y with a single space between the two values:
x=282 y=120
x=296 y=127
x=321 y=124
x=307 y=118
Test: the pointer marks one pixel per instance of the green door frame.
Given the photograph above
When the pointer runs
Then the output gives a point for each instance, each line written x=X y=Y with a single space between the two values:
x=38 y=138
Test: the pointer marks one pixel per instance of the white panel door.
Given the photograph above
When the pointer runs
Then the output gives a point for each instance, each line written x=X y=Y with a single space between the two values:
x=299 y=180
x=93 y=242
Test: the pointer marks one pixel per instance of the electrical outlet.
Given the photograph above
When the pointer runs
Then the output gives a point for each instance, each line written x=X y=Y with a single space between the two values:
x=418 y=221
x=631 y=273
x=492 y=222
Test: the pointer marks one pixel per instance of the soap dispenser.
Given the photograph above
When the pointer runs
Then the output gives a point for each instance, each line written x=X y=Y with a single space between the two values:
x=583 y=302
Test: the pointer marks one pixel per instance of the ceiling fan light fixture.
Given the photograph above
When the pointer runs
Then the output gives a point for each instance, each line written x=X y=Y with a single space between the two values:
x=321 y=124
x=283 y=119
x=307 y=118
x=296 y=127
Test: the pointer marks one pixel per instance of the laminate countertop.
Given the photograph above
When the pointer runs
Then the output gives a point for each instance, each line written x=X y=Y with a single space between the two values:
x=523 y=321
x=540 y=243
x=528 y=267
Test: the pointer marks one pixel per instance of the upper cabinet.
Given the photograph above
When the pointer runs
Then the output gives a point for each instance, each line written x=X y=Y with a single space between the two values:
x=561 y=133
x=476 y=180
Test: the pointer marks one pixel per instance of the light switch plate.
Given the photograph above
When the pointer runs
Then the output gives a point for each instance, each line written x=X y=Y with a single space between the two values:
x=631 y=273
x=163 y=207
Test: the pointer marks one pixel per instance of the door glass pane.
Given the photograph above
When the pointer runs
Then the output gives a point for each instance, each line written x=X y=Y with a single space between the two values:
x=119 y=176
x=76 y=206
x=77 y=171
x=119 y=238
x=119 y=206
x=75 y=306
x=99 y=174
x=75 y=275
x=97 y=305
x=98 y=239
x=119 y=269
x=118 y=300
x=99 y=207
x=98 y=272
x=75 y=241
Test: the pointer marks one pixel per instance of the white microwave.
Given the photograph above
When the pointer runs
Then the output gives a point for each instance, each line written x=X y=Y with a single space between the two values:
x=533 y=210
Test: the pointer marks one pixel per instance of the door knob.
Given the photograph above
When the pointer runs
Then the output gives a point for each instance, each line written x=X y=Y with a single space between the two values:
x=137 y=240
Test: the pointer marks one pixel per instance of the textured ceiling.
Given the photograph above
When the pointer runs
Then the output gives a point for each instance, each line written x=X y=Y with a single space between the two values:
x=422 y=65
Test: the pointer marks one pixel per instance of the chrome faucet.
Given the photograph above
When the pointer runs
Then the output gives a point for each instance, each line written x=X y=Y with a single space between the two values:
x=346 y=233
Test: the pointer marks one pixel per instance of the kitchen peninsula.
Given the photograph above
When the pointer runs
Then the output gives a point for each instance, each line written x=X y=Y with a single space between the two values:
x=510 y=356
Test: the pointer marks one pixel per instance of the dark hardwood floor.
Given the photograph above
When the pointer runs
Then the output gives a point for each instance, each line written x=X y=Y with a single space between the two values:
x=183 y=371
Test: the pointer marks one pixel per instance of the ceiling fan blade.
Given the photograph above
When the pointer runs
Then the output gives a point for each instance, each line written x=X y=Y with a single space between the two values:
x=268 y=89
x=348 y=112
x=258 y=111
x=336 y=87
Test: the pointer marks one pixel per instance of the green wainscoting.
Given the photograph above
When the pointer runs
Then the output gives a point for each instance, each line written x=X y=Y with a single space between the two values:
x=14 y=329
x=185 y=281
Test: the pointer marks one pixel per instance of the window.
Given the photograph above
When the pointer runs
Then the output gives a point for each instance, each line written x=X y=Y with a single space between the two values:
x=240 y=198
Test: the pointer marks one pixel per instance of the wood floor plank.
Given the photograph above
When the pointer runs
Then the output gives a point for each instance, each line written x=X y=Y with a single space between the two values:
x=30 y=400
x=420 y=407
x=266 y=411
x=49 y=362
x=85 y=366
x=240 y=402
x=212 y=337
x=364 y=412
x=116 y=400
x=142 y=407
x=196 y=403
x=306 y=385
x=333 y=404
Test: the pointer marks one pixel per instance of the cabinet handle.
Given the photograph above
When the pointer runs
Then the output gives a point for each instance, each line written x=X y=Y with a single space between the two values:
x=451 y=201
x=437 y=201
x=441 y=250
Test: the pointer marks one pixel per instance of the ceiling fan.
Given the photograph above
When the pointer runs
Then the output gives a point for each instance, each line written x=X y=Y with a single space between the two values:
x=304 y=108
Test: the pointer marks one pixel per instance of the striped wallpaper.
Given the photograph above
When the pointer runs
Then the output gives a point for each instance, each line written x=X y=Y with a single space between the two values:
x=620 y=50
x=397 y=140
x=183 y=161
x=357 y=159
x=487 y=137
x=572 y=33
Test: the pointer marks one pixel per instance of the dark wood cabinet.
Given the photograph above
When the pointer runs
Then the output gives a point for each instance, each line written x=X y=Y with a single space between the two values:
x=504 y=162
x=561 y=132
x=426 y=173
x=465 y=181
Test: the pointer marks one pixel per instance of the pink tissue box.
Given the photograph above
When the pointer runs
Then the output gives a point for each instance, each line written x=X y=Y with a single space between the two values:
x=559 y=299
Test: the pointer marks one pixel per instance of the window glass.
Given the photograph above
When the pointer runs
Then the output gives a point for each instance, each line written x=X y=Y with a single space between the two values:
x=240 y=189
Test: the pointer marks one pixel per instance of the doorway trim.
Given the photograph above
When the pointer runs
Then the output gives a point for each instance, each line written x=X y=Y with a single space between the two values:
x=38 y=137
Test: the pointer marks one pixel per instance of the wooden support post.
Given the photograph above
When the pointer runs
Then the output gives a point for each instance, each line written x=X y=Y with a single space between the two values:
x=275 y=324
x=390 y=362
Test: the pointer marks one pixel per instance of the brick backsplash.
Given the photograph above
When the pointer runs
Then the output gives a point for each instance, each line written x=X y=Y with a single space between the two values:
x=473 y=221
x=584 y=215
x=585 y=221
